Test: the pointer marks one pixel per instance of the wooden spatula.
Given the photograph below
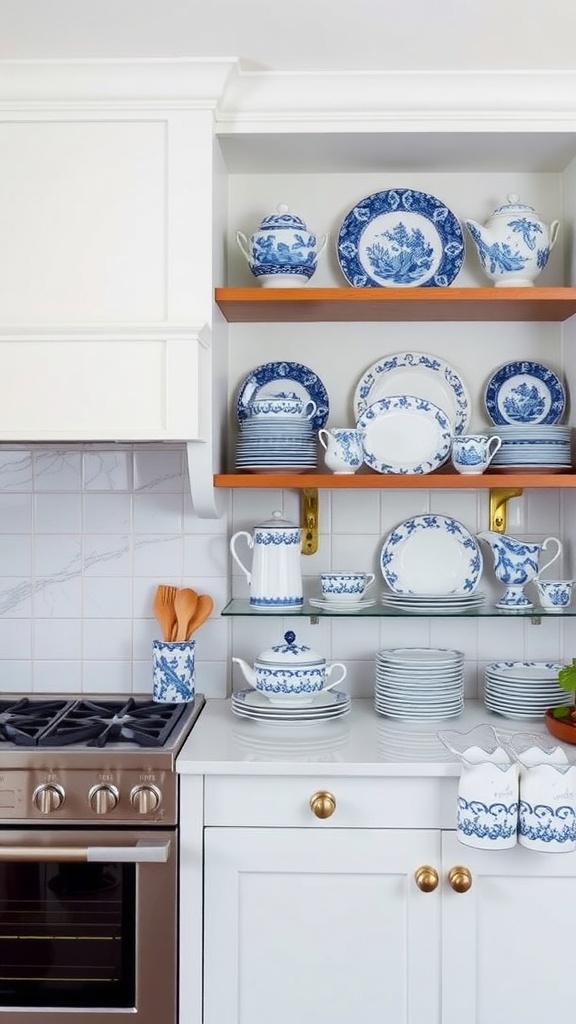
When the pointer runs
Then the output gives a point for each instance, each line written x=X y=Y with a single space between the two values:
x=185 y=605
x=203 y=612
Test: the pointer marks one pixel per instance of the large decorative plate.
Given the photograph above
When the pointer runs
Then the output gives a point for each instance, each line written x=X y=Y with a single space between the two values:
x=431 y=554
x=400 y=238
x=524 y=392
x=405 y=434
x=416 y=373
x=272 y=378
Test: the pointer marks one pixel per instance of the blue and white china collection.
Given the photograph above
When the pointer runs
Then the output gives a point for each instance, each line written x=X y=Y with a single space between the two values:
x=411 y=415
x=275 y=577
x=473 y=453
x=281 y=253
x=514 y=244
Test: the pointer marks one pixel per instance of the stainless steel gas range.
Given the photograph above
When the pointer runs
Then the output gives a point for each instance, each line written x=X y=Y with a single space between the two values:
x=88 y=859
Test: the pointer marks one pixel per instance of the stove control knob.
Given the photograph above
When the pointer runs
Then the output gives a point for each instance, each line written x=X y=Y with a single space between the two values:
x=145 y=799
x=103 y=799
x=48 y=798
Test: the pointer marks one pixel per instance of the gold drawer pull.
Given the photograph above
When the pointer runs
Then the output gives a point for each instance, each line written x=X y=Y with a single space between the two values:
x=323 y=804
x=426 y=878
x=460 y=878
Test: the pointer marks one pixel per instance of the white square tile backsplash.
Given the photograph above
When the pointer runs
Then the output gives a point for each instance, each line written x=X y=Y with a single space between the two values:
x=87 y=533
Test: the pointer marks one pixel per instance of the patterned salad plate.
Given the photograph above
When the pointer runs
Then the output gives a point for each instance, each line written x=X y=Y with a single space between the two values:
x=272 y=378
x=431 y=554
x=524 y=392
x=404 y=434
x=416 y=373
x=400 y=238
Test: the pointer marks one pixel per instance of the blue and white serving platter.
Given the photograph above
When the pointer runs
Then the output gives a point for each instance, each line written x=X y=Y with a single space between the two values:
x=400 y=238
x=524 y=392
x=431 y=554
x=271 y=378
x=405 y=434
x=416 y=373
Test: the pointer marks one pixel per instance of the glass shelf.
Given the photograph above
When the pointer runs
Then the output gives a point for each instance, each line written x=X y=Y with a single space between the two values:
x=241 y=607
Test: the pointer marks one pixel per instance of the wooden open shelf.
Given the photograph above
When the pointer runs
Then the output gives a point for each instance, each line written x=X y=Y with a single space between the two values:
x=300 y=305
x=389 y=481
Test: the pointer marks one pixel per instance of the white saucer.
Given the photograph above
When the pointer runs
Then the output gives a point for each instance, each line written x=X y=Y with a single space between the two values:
x=342 y=606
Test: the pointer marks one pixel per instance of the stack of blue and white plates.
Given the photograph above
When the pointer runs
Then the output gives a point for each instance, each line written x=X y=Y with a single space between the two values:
x=276 y=445
x=532 y=447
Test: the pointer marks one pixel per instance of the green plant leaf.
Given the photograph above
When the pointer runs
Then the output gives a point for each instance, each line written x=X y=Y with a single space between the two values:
x=567 y=676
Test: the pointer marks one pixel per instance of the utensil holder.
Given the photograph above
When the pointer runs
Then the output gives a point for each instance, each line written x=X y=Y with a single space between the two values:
x=173 y=671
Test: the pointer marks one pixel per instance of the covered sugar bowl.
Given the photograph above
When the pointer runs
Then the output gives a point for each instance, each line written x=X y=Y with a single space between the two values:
x=282 y=253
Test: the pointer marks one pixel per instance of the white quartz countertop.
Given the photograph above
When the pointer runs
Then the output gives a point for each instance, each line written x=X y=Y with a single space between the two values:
x=362 y=743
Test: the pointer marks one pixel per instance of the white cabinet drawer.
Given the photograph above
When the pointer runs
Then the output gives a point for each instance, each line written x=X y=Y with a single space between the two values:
x=359 y=802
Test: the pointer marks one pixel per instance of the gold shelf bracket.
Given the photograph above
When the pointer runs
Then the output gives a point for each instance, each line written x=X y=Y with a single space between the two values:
x=499 y=498
x=309 y=520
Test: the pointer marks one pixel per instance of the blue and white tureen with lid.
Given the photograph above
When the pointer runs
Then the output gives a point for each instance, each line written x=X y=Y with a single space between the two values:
x=282 y=253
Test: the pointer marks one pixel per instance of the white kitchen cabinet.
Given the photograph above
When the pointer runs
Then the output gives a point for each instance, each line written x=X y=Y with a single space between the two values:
x=319 y=927
x=505 y=941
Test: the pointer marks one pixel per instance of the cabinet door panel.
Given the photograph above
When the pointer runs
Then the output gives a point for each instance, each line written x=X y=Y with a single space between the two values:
x=505 y=951
x=319 y=927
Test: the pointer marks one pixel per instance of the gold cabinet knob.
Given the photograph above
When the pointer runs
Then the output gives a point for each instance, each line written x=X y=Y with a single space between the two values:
x=426 y=878
x=460 y=878
x=323 y=804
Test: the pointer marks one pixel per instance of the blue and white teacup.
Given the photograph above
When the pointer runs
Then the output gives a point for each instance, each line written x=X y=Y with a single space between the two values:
x=173 y=671
x=473 y=453
x=555 y=595
x=286 y=405
x=343 y=449
x=345 y=586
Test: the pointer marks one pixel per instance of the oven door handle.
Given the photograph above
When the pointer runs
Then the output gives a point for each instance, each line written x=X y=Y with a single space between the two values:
x=141 y=853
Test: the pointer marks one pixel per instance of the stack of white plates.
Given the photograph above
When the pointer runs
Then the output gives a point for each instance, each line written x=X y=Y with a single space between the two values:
x=327 y=705
x=532 y=446
x=426 y=603
x=282 y=445
x=419 y=683
x=523 y=689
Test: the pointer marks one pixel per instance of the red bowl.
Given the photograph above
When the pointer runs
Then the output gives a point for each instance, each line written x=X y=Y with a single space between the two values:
x=562 y=728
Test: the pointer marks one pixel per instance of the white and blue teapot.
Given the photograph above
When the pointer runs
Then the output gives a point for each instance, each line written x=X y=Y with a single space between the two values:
x=514 y=245
x=282 y=253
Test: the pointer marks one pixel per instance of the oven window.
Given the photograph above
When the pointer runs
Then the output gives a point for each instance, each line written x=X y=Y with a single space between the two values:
x=67 y=935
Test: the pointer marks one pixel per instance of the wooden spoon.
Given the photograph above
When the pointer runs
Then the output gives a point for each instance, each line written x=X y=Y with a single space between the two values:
x=203 y=612
x=164 y=609
x=185 y=605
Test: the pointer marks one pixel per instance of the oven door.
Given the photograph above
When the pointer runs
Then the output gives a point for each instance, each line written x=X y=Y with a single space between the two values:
x=88 y=925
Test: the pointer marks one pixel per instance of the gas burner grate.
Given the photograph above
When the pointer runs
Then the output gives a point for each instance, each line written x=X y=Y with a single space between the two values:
x=98 y=723
x=23 y=721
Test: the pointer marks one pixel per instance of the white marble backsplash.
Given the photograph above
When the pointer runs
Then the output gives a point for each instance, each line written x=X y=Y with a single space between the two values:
x=88 y=531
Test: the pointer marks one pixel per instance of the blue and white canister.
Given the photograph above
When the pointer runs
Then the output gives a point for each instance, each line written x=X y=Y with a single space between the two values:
x=173 y=671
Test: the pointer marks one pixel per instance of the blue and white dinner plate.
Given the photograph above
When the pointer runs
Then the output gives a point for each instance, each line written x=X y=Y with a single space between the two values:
x=524 y=392
x=400 y=238
x=269 y=378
